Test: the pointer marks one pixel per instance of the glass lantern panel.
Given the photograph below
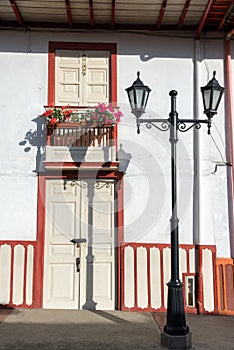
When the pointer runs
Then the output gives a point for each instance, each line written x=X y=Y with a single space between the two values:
x=215 y=102
x=144 y=99
x=206 y=99
x=139 y=98
x=131 y=98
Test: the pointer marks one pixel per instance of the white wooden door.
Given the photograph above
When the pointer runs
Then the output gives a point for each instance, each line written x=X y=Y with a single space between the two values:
x=98 y=273
x=81 y=77
x=79 y=209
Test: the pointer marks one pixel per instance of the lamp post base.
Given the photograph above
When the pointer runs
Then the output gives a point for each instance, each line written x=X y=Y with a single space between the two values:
x=176 y=342
x=176 y=333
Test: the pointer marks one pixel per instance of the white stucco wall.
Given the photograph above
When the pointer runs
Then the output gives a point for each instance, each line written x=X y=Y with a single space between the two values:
x=23 y=93
x=165 y=63
x=161 y=69
x=214 y=222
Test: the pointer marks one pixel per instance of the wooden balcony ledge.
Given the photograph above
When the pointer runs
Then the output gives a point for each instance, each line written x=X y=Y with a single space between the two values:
x=75 y=142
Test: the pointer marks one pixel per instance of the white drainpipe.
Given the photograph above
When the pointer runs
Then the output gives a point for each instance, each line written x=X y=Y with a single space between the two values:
x=196 y=148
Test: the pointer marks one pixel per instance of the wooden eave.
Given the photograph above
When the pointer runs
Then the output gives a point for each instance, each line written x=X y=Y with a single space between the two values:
x=177 y=15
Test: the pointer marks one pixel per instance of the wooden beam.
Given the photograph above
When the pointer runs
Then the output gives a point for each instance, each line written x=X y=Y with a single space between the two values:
x=228 y=14
x=183 y=14
x=17 y=12
x=69 y=14
x=161 y=14
x=204 y=17
x=113 y=14
x=91 y=14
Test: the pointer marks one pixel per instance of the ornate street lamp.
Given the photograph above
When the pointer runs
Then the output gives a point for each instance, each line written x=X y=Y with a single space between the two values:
x=176 y=333
x=211 y=96
x=138 y=95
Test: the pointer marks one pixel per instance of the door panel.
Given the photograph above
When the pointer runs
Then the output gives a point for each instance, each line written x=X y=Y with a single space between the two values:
x=66 y=227
x=61 y=281
x=79 y=209
x=100 y=248
x=81 y=77
x=68 y=75
x=62 y=288
x=97 y=77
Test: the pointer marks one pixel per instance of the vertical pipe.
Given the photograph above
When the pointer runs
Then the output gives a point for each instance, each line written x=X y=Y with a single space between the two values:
x=196 y=151
x=229 y=136
x=197 y=181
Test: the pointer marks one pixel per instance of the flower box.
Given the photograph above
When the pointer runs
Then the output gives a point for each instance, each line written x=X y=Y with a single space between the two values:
x=98 y=115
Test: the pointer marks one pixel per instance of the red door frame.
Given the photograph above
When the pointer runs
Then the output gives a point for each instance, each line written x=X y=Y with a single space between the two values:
x=71 y=174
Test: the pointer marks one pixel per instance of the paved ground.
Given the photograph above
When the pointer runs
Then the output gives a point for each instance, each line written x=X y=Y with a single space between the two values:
x=71 y=330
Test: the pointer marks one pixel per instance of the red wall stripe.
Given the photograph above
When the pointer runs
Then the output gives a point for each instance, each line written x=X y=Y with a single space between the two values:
x=51 y=77
x=25 y=274
x=135 y=278
x=215 y=281
x=188 y=260
x=39 y=253
x=162 y=278
x=148 y=276
x=120 y=238
x=12 y=272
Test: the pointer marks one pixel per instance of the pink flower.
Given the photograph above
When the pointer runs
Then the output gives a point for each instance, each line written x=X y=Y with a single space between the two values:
x=118 y=115
x=111 y=109
x=101 y=107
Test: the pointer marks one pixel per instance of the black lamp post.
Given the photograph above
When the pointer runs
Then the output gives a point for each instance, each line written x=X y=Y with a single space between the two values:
x=176 y=333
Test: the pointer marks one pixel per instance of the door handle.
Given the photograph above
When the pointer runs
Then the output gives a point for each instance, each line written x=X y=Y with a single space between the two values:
x=77 y=264
x=77 y=241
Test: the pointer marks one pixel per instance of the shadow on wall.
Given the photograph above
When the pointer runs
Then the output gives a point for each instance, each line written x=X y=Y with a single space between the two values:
x=124 y=159
x=35 y=138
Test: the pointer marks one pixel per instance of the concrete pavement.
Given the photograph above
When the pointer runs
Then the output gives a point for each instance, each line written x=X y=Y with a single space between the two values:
x=31 y=329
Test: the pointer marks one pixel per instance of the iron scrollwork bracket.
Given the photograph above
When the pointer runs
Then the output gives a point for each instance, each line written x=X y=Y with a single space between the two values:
x=160 y=124
x=183 y=127
x=84 y=184
x=72 y=183
x=163 y=127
